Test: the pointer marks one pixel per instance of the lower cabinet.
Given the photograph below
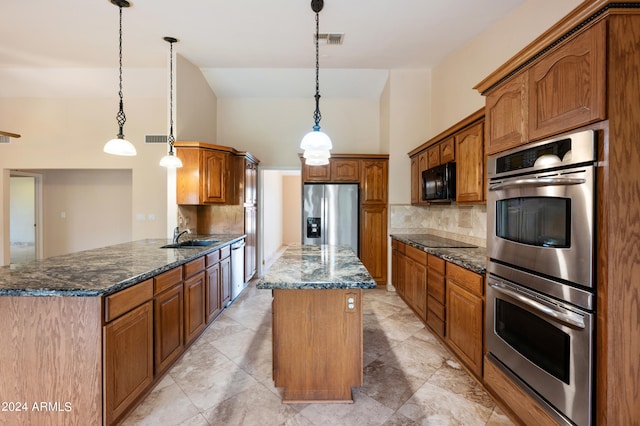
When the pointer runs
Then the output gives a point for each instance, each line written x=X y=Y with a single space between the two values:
x=128 y=359
x=373 y=245
x=194 y=306
x=213 y=305
x=448 y=298
x=168 y=312
x=465 y=316
x=218 y=282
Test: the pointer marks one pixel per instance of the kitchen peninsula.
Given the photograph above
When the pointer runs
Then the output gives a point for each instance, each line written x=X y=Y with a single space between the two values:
x=87 y=335
x=317 y=322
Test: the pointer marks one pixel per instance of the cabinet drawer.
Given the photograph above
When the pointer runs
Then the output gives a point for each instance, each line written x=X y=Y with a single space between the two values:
x=194 y=266
x=436 y=263
x=436 y=324
x=400 y=246
x=127 y=299
x=213 y=258
x=417 y=255
x=436 y=285
x=225 y=252
x=465 y=278
x=435 y=307
x=167 y=279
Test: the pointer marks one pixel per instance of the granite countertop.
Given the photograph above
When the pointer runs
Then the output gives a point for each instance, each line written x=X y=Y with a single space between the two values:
x=101 y=271
x=317 y=267
x=464 y=255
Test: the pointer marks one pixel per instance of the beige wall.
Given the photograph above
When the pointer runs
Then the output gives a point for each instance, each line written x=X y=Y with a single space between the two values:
x=453 y=96
x=272 y=128
x=291 y=208
x=271 y=213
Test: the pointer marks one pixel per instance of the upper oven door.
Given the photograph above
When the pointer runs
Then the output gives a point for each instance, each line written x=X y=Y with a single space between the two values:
x=544 y=223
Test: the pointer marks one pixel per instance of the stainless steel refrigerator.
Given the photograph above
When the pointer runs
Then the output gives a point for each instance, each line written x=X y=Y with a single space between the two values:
x=330 y=214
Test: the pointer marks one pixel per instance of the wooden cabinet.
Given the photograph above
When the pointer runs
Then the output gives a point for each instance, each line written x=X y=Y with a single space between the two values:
x=398 y=266
x=345 y=170
x=128 y=348
x=194 y=306
x=371 y=172
x=563 y=90
x=315 y=173
x=567 y=86
x=168 y=312
x=463 y=143
x=206 y=175
x=317 y=344
x=213 y=304
x=436 y=294
x=465 y=316
x=416 y=280
x=507 y=115
x=470 y=164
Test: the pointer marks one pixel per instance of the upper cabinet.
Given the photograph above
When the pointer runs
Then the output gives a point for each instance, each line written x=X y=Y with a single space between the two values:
x=206 y=174
x=345 y=170
x=463 y=143
x=564 y=89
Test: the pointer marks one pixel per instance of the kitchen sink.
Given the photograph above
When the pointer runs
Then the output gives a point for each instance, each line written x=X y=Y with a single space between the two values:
x=191 y=244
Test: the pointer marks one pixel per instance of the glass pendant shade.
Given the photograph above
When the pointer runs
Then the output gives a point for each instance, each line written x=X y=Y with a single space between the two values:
x=170 y=161
x=316 y=140
x=316 y=161
x=316 y=155
x=120 y=146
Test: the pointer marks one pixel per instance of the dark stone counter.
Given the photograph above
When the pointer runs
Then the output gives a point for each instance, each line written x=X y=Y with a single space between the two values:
x=462 y=254
x=101 y=271
x=317 y=267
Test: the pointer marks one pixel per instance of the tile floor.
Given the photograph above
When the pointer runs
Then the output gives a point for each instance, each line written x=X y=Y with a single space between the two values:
x=224 y=378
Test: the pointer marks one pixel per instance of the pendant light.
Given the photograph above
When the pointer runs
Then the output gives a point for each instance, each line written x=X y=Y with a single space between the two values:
x=119 y=145
x=316 y=143
x=170 y=160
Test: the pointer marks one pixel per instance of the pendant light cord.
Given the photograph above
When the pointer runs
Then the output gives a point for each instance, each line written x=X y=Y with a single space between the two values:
x=171 y=138
x=120 y=117
x=316 y=115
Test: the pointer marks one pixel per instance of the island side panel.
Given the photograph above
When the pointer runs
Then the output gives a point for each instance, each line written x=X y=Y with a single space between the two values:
x=317 y=344
x=50 y=360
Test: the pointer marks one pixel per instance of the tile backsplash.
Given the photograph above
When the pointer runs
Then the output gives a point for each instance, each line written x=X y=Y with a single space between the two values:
x=459 y=222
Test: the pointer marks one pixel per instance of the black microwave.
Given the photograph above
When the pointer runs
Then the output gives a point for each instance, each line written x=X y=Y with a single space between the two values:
x=439 y=183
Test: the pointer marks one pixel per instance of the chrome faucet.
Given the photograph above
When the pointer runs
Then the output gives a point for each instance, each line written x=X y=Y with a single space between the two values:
x=177 y=234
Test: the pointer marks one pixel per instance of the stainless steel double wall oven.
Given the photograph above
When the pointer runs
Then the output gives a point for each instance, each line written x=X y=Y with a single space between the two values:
x=540 y=287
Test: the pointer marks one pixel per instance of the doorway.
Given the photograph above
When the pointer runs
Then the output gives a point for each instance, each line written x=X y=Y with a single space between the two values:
x=280 y=203
x=25 y=217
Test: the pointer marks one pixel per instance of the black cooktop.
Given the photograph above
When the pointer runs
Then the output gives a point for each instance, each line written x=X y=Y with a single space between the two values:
x=438 y=242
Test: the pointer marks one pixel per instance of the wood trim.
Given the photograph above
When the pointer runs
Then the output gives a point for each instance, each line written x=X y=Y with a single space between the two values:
x=470 y=119
x=356 y=156
x=196 y=144
x=582 y=16
x=52 y=352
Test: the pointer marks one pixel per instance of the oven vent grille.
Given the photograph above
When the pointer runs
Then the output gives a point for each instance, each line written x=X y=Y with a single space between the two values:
x=5 y=139
x=155 y=138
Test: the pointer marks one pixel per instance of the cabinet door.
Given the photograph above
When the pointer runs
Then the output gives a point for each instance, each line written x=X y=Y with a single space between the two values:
x=315 y=173
x=374 y=181
x=470 y=165
x=169 y=329
x=567 y=87
x=464 y=325
x=447 y=151
x=418 y=280
x=215 y=169
x=507 y=115
x=213 y=305
x=373 y=241
x=343 y=170
x=416 y=181
x=128 y=359
x=433 y=156
x=225 y=280
x=250 y=182
x=194 y=306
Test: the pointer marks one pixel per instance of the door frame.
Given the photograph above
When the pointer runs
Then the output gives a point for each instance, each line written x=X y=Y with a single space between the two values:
x=38 y=233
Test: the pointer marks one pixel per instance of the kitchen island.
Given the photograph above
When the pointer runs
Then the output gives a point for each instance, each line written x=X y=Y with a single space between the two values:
x=317 y=322
x=86 y=335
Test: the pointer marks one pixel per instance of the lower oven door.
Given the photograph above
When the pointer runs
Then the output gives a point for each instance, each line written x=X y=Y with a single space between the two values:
x=546 y=343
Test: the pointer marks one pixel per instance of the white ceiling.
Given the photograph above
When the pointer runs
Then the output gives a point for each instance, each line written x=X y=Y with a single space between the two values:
x=243 y=47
